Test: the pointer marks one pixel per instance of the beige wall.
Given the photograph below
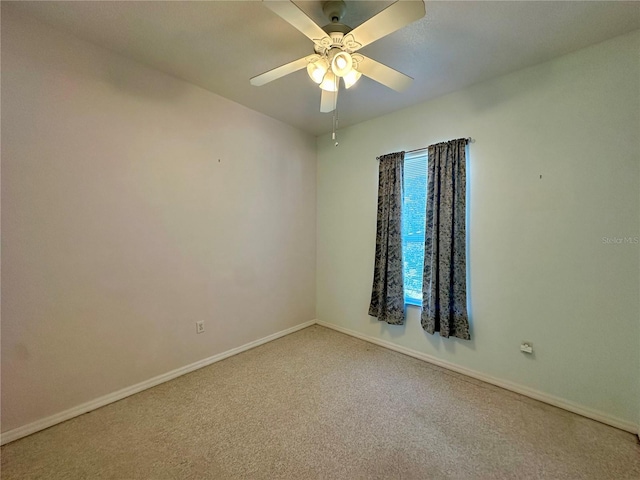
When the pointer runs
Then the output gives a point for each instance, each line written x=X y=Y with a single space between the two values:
x=134 y=205
x=538 y=267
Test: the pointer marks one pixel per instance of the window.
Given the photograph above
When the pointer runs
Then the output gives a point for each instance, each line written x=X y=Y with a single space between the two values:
x=414 y=206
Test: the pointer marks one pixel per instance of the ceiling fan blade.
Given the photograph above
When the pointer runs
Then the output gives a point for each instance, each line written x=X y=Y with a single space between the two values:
x=328 y=101
x=385 y=75
x=278 y=72
x=392 y=18
x=290 y=12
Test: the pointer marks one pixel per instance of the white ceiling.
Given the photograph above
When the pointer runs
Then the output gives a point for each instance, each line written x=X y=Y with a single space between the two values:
x=219 y=45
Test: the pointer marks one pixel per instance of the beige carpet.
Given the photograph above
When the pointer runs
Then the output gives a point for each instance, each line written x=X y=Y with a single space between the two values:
x=319 y=404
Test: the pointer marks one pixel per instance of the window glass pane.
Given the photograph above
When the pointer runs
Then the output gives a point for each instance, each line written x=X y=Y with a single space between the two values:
x=414 y=207
x=413 y=256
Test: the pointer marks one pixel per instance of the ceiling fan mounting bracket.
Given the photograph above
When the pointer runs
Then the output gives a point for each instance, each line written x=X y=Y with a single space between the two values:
x=334 y=10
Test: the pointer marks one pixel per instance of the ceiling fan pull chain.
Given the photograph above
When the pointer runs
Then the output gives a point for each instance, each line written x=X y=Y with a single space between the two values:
x=335 y=110
x=333 y=135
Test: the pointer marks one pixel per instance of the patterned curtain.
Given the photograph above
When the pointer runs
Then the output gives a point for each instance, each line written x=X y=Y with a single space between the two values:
x=387 y=294
x=444 y=282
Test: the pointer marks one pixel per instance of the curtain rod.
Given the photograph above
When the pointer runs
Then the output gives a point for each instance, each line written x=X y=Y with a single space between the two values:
x=468 y=139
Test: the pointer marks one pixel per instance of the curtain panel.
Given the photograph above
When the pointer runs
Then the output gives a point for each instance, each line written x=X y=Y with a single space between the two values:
x=444 y=283
x=387 y=293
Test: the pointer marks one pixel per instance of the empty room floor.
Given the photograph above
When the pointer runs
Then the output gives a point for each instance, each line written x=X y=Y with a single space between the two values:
x=320 y=404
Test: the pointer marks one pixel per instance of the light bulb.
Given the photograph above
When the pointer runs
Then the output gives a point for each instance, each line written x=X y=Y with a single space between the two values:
x=341 y=64
x=351 y=78
x=330 y=82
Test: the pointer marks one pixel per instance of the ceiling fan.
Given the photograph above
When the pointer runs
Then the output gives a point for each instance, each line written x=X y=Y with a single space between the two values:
x=336 y=44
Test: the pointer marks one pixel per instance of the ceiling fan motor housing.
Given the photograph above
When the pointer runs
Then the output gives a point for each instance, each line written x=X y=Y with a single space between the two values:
x=336 y=40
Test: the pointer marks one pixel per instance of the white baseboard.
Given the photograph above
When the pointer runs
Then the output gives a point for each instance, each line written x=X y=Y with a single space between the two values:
x=514 y=387
x=47 y=422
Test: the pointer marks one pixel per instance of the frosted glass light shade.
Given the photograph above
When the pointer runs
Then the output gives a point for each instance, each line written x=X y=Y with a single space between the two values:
x=330 y=82
x=351 y=78
x=341 y=64
x=317 y=70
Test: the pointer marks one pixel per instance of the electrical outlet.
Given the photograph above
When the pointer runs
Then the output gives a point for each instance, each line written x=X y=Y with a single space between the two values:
x=526 y=347
x=200 y=327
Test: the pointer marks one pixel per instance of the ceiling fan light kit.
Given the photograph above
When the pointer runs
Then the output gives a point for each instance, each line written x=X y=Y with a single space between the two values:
x=335 y=45
x=340 y=63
